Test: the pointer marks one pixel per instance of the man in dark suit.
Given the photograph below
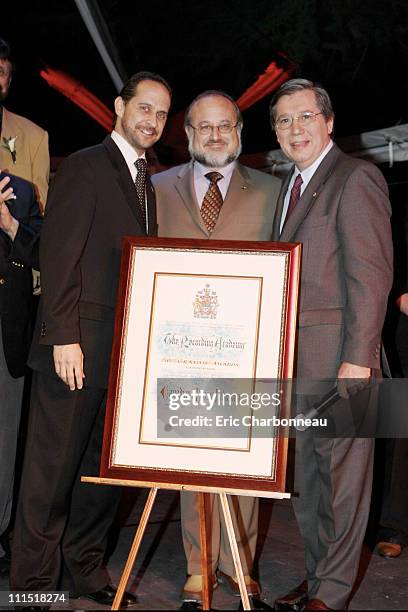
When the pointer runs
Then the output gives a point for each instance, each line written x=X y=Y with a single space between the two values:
x=338 y=208
x=20 y=223
x=98 y=195
x=247 y=199
x=392 y=469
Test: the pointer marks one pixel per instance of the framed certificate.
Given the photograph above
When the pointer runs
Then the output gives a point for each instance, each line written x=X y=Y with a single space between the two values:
x=197 y=322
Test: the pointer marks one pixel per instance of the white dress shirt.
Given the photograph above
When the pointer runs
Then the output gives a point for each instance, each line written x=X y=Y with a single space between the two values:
x=131 y=157
x=128 y=152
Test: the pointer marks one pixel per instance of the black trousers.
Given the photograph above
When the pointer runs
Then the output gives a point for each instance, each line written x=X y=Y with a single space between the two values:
x=62 y=524
x=394 y=510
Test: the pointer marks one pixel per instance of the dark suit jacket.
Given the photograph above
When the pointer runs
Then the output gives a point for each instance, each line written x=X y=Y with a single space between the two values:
x=396 y=327
x=342 y=221
x=16 y=285
x=246 y=214
x=92 y=204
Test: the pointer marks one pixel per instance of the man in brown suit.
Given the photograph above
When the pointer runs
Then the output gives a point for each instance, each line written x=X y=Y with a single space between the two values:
x=338 y=208
x=26 y=153
x=244 y=207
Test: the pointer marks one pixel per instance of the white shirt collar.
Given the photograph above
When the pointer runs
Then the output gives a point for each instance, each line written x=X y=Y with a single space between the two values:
x=201 y=182
x=202 y=170
x=127 y=151
x=308 y=172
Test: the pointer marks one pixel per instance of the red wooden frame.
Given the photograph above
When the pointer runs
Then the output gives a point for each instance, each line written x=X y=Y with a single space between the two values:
x=183 y=477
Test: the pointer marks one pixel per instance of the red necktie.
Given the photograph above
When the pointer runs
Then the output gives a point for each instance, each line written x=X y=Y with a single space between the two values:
x=294 y=195
x=212 y=201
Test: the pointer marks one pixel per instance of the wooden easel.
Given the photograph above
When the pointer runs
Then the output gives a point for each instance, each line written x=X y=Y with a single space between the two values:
x=203 y=496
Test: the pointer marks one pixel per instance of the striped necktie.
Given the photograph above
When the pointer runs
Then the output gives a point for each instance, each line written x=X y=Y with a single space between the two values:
x=294 y=195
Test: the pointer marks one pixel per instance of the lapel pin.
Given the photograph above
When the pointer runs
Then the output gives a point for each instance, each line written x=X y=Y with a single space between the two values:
x=314 y=195
x=243 y=187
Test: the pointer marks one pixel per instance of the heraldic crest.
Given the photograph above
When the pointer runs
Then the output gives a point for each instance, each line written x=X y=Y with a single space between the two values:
x=205 y=304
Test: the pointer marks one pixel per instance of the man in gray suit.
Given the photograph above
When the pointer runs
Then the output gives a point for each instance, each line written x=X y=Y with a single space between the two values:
x=215 y=197
x=338 y=208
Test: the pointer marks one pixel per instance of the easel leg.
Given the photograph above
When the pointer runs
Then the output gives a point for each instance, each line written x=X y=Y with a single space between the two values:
x=135 y=547
x=234 y=549
x=203 y=499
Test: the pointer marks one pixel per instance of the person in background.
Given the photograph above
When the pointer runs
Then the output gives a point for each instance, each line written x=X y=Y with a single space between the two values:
x=24 y=145
x=23 y=153
x=392 y=534
x=20 y=223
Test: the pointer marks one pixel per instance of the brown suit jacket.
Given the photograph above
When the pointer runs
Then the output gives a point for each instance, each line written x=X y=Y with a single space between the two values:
x=343 y=223
x=32 y=156
x=247 y=212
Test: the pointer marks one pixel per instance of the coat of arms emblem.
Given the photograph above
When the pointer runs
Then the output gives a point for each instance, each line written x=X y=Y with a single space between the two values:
x=205 y=304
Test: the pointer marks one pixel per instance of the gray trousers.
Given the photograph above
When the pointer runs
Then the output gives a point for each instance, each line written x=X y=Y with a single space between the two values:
x=333 y=478
x=11 y=393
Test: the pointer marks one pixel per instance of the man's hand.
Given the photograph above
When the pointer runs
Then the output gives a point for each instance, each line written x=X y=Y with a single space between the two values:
x=69 y=364
x=8 y=223
x=349 y=371
x=402 y=303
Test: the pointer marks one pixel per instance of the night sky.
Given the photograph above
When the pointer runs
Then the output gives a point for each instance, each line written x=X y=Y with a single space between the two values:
x=357 y=49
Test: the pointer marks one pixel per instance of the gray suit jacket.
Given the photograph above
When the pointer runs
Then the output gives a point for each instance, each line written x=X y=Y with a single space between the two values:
x=247 y=212
x=342 y=221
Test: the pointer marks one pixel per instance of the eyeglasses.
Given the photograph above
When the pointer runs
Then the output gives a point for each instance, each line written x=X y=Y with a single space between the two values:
x=206 y=128
x=286 y=121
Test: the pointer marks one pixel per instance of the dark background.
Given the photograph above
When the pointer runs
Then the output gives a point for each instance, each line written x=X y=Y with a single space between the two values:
x=358 y=49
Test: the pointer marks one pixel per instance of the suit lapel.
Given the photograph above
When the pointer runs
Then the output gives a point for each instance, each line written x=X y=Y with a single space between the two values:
x=310 y=194
x=7 y=125
x=8 y=130
x=124 y=180
x=239 y=191
x=151 y=207
x=279 y=207
x=185 y=188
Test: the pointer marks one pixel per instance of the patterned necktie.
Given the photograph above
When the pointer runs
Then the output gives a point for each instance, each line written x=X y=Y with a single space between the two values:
x=212 y=201
x=140 y=183
x=294 y=195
